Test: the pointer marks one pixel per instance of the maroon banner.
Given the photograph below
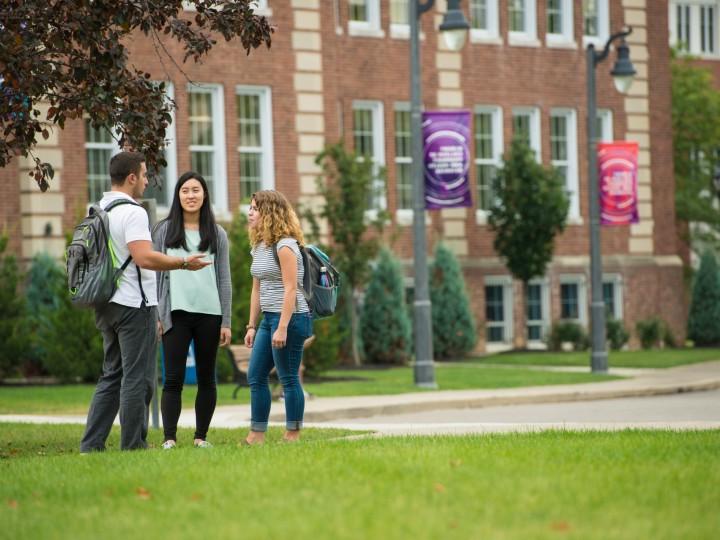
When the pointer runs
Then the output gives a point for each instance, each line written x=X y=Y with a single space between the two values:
x=617 y=175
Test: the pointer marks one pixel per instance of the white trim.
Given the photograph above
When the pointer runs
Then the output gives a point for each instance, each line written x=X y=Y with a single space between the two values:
x=527 y=37
x=491 y=34
x=220 y=199
x=498 y=146
x=603 y=25
x=545 y=318
x=171 y=174
x=370 y=27
x=535 y=134
x=617 y=282
x=566 y=38
x=507 y=324
x=267 y=160
x=605 y=116
x=580 y=281
x=572 y=183
x=694 y=9
x=378 y=151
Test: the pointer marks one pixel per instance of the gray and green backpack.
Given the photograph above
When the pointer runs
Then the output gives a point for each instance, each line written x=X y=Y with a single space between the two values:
x=91 y=262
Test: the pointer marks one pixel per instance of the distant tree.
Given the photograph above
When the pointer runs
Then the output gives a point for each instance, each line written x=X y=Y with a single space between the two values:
x=696 y=147
x=13 y=341
x=384 y=322
x=347 y=185
x=453 y=324
x=704 y=319
x=240 y=274
x=73 y=57
x=529 y=211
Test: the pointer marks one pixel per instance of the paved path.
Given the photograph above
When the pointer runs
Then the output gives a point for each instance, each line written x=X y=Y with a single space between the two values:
x=341 y=411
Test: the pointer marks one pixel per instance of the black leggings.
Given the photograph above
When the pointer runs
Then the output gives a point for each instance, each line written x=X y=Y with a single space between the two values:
x=204 y=330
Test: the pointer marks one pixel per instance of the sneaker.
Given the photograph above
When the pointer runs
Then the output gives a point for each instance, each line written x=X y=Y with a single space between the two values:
x=168 y=445
x=203 y=444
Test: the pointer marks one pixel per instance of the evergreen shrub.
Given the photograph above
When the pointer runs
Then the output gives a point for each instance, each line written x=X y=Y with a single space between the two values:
x=384 y=324
x=617 y=334
x=567 y=332
x=704 y=318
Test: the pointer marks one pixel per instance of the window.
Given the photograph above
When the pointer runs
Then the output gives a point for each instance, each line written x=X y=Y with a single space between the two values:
x=207 y=139
x=488 y=152
x=399 y=12
x=595 y=21
x=563 y=153
x=167 y=176
x=403 y=158
x=483 y=19
x=572 y=299
x=604 y=126
x=100 y=146
x=368 y=139
x=693 y=26
x=526 y=127
x=521 y=21
x=498 y=310
x=559 y=21
x=537 y=298
x=255 y=152
x=364 y=17
x=612 y=296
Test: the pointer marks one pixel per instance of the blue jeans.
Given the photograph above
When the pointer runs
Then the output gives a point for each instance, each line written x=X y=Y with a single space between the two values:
x=286 y=361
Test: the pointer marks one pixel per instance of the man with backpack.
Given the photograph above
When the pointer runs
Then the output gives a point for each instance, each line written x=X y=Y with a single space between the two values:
x=128 y=321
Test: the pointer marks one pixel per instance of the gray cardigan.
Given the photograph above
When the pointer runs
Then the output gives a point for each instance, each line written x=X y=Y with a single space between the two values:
x=222 y=275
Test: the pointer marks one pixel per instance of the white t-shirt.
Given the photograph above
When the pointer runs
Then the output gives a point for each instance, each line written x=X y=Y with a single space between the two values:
x=129 y=223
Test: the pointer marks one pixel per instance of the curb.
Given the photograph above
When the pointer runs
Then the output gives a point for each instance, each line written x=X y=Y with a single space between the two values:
x=452 y=402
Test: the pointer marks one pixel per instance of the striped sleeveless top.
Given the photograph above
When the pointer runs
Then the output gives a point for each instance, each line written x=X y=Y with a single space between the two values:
x=265 y=269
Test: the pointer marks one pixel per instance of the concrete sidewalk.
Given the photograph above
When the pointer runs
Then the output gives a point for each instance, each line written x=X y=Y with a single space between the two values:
x=651 y=382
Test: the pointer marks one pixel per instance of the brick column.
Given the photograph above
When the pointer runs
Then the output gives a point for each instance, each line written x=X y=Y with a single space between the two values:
x=638 y=124
x=41 y=213
x=308 y=85
x=450 y=96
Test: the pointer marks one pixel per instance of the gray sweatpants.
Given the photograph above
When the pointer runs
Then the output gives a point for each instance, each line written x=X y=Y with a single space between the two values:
x=128 y=377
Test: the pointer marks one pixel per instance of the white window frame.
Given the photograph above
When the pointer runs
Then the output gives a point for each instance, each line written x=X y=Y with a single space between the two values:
x=617 y=282
x=535 y=133
x=565 y=39
x=170 y=156
x=603 y=25
x=572 y=181
x=398 y=30
x=580 y=281
x=528 y=37
x=544 y=284
x=112 y=146
x=404 y=216
x=220 y=196
x=369 y=27
x=491 y=34
x=605 y=117
x=378 y=118
x=498 y=143
x=695 y=44
x=508 y=314
x=267 y=180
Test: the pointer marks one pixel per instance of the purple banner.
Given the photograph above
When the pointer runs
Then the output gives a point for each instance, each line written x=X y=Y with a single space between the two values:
x=617 y=172
x=446 y=140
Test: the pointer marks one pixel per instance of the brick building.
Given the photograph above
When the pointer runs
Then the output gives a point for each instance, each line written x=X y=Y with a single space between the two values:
x=339 y=69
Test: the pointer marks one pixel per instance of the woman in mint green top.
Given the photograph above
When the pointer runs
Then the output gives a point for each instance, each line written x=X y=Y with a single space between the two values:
x=192 y=306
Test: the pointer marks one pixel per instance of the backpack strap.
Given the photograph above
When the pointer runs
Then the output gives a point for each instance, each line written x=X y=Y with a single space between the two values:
x=306 y=278
x=109 y=207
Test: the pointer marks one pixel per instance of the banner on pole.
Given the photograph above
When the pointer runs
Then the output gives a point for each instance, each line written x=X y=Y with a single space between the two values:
x=617 y=175
x=446 y=156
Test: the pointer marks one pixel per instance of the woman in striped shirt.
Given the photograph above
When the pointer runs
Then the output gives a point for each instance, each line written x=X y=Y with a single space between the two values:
x=286 y=323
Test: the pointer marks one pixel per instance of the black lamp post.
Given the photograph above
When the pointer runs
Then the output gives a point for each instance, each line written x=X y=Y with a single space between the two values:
x=623 y=73
x=454 y=28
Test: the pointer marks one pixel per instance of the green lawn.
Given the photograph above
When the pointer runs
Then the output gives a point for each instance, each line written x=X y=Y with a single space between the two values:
x=664 y=358
x=628 y=485
x=75 y=399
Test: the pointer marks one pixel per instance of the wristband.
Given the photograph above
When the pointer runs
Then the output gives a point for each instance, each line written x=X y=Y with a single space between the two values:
x=184 y=264
x=250 y=326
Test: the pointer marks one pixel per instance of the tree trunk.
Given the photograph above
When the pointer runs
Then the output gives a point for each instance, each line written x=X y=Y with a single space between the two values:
x=354 y=330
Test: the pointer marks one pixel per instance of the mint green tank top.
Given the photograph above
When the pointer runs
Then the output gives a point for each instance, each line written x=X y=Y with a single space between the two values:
x=194 y=292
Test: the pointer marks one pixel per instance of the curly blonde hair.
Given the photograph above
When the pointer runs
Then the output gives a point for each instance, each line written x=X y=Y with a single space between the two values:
x=277 y=219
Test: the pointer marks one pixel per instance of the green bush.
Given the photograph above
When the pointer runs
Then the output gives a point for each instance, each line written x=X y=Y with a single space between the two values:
x=14 y=345
x=704 y=318
x=454 y=332
x=650 y=332
x=384 y=324
x=324 y=352
x=567 y=332
x=240 y=261
x=616 y=334
x=223 y=369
